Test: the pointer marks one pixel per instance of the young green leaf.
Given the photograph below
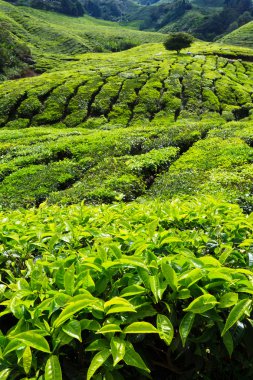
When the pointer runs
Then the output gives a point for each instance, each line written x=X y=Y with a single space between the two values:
x=118 y=349
x=72 y=308
x=69 y=280
x=53 y=369
x=132 y=290
x=121 y=309
x=133 y=359
x=118 y=305
x=5 y=373
x=33 y=339
x=144 y=275
x=97 y=362
x=188 y=279
x=89 y=324
x=236 y=313
x=228 y=342
x=73 y=328
x=155 y=287
x=98 y=345
x=116 y=301
x=13 y=345
x=183 y=294
x=110 y=328
x=27 y=359
x=140 y=328
x=170 y=276
x=228 y=300
x=202 y=304
x=186 y=326
x=165 y=328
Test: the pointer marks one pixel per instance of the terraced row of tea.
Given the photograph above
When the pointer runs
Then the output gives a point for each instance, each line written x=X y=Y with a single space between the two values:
x=114 y=92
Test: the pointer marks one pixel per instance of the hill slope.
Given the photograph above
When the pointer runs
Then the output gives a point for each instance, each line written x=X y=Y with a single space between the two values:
x=53 y=37
x=242 y=36
x=103 y=127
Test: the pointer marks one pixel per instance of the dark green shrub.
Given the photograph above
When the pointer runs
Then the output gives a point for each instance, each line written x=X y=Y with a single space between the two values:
x=178 y=41
x=31 y=185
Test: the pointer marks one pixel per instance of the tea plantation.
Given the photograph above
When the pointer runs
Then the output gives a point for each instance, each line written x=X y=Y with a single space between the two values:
x=241 y=36
x=54 y=38
x=126 y=234
x=107 y=128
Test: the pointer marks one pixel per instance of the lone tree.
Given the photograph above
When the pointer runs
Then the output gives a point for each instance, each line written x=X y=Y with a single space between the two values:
x=178 y=41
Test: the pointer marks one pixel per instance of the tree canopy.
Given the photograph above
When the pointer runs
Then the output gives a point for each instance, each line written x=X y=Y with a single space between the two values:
x=178 y=41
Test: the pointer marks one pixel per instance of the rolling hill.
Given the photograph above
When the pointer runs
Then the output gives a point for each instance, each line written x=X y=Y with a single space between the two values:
x=242 y=36
x=50 y=41
x=91 y=128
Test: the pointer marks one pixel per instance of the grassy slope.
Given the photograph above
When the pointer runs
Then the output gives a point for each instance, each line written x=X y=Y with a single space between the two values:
x=54 y=37
x=103 y=127
x=242 y=36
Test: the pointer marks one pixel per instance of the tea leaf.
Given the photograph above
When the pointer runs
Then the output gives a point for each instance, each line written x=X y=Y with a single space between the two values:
x=132 y=358
x=202 y=304
x=170 y=276
x=132 y=291
x=165 y=328
x=69 y=280
x=98 y=345
x=228 y=342
x=140 y=328
x=186 y=326
x=110 y=328
x=73 y=328
x=73 y=307
x=97 y=362
x=27 y=359
x=5 y=373
x=236 y=313
x=118 y=349
x=33 y=339
x=53 y=369
x=228 y=300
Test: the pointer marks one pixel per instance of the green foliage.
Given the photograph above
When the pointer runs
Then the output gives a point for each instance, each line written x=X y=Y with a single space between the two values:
x=31 y=185
x=108 y=288
x=56 y=39
x=122 y=125
x=14 y=55
x=215 y=165
x=178 y=41
x=153 y=161
x=127 y=291
x=241 y=36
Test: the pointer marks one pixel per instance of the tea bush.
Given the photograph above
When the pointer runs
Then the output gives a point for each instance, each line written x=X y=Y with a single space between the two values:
x=84 y=288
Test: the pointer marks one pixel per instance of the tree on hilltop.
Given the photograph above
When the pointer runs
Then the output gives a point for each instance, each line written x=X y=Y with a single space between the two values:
x=178 y=41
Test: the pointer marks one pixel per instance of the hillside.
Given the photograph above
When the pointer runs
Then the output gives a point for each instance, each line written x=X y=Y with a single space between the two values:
x=204 y=19
x=242 y=36
x=15 y=56
x=51 y=42
x=97 y=124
